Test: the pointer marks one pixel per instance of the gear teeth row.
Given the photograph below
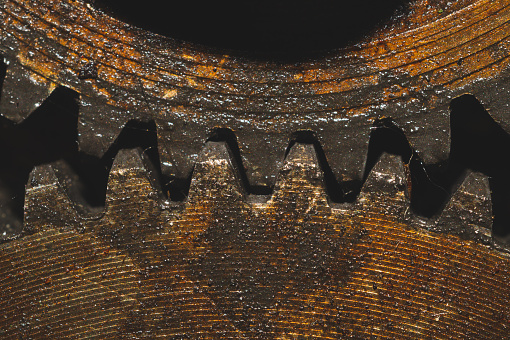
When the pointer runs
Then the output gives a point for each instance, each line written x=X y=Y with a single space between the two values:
x=345 y=146
x=131 y=183
x=133 y=187
x=189 y=94
x=468 y=212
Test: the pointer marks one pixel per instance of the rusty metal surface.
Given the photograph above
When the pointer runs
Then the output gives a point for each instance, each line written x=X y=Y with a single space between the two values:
x=408 y=72
x=228 y=264
x=221 y=266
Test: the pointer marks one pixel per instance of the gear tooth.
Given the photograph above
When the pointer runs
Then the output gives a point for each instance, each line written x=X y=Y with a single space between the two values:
x=46 y=201
x=469 y=211
x=262 y=155
x=215 y=176
x=131 y=183
x=179 y=146
x=99 y=125
x=133 y=202
x=23 y=91
x=429 y=134
x=301 y=178
x=387 y=184
x=168 y=165
x=494 y=99
x=346 y=148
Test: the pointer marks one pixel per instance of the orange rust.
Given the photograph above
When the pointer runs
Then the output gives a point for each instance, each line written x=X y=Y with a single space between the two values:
x=42 y=68
x=364 y=270
x=380 y=276
x=170 y=93
x=430 y=47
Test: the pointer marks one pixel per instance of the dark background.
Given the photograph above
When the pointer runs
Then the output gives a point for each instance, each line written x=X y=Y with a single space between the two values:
x=269 y=29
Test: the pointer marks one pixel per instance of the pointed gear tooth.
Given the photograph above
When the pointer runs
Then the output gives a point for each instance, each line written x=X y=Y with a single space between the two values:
x=469 y=211
x=22 y=92
x=131 y=184
x=215 y=176
x=301 y=161
x=301 y=179
x=42 y=176
x=133 y=201
x=46 y=201
x=387 y=185
x=99 y=125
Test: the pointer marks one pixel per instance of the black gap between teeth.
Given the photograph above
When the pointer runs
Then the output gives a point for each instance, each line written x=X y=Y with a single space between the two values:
x=50 y=134
x=281 y=30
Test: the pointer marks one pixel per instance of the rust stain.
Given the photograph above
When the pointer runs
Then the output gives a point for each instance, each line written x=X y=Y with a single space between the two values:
x=293 y=266
x=427 y=43
x=169 y=94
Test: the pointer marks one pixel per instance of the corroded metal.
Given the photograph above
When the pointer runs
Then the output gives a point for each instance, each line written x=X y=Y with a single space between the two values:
x=223 y=266
x=409 y=72
x=228 y=264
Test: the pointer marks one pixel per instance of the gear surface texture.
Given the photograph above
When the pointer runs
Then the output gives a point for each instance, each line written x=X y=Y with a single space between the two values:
x=157 y=188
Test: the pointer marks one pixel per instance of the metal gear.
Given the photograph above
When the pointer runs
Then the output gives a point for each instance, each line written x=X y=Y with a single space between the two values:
x=225 y=262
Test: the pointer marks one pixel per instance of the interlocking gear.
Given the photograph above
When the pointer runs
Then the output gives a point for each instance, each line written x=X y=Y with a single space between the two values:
x=225 y=263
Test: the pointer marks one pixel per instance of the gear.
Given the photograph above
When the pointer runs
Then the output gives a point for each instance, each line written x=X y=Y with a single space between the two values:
x=226 y=263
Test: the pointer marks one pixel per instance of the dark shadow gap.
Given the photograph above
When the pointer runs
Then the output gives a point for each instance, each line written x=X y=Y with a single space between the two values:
x=229 y=137
x=275 y=30
x=427 y=197
x=480 y=144
x=3 y=71
x=176 y=189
